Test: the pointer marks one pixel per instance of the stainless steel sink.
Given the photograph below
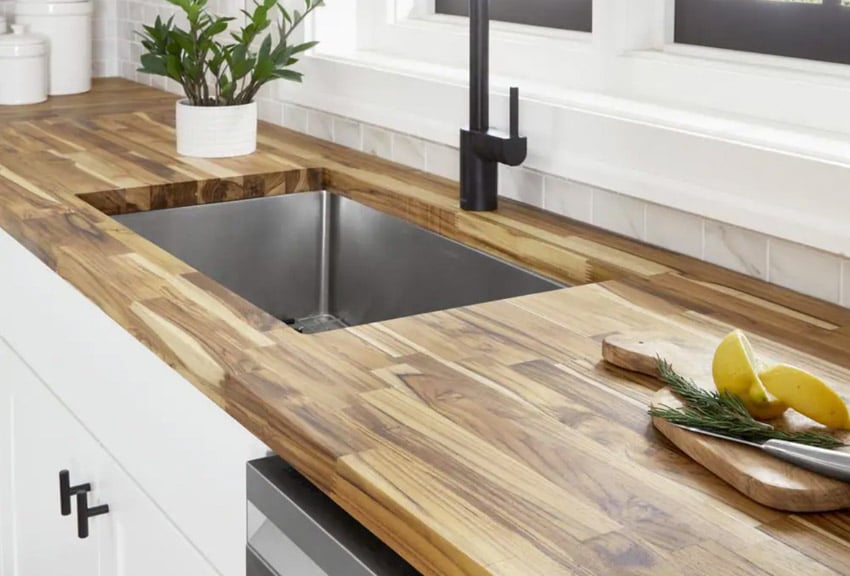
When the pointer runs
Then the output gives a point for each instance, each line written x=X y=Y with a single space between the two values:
x=320 y=261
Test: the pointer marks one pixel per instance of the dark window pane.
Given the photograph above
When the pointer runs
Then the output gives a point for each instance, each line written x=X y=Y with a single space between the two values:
x=813 y=29
x=565 y=14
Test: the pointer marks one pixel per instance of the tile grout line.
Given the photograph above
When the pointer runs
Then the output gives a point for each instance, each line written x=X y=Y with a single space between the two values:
x=767 y=260
x=543 y=191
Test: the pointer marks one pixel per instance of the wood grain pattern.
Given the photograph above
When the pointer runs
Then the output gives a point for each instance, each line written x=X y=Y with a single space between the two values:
x=485 y=440
x=763 y=478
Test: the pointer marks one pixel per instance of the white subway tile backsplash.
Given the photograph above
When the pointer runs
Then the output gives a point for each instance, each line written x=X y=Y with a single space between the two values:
x=442 y=160
x=675 y=230
x=805 y=270
x=521 y=184
x=845 y=283
x=409 y=151
x=295 y=117
x=377 y=142
x=622 y=214
x=567 y=198
x=736 y=249
x=270 y=110
x=320 y=125
x=348 y=133
x=158 y=82
x=127 y=70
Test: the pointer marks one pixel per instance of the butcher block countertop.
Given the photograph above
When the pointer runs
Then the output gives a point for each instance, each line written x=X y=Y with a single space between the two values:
x=482 y=440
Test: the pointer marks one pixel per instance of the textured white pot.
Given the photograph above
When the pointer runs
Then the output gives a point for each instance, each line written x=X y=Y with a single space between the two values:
x=216 y=131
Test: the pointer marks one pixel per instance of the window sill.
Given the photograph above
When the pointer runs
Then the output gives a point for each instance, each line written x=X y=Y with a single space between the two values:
x=827 y=146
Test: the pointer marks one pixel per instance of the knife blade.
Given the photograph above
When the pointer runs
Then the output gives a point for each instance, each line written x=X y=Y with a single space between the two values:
x=831 y=463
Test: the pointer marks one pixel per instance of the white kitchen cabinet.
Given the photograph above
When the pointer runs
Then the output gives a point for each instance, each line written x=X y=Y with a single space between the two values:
x=185 y=453
x=39 y=438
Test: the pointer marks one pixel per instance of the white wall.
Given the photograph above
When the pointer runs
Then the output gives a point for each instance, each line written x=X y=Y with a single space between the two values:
x=424 y=138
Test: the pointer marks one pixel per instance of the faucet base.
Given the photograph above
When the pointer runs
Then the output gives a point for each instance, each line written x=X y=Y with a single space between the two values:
x=479 y=178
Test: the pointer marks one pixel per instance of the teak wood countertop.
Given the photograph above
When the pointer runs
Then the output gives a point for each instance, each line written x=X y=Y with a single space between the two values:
x=483 y=440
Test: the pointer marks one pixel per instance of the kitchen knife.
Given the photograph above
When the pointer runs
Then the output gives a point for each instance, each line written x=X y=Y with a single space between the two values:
x=832 y=463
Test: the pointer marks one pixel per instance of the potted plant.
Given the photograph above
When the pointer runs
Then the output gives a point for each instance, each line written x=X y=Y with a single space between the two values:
x=222 y=70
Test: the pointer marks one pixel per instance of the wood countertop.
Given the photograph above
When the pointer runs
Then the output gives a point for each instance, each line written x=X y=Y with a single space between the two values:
x=482 y=440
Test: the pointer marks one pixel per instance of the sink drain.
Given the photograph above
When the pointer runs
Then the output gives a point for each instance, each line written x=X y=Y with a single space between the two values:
x=316 y=324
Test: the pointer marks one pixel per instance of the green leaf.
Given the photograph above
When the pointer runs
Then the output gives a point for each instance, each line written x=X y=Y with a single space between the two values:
x=285 y=74
x=264 y=69
x=154 y=64
x=265 y=48
x=304 y=47
x=172 y=67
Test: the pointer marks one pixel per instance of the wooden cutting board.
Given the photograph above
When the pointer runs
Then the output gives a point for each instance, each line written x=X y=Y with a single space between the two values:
x=763 y=478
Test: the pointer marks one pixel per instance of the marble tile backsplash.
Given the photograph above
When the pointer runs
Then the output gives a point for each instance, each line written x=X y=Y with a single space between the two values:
x=568 y=198
x=621 y=214
x=668 y=227
x=805 y=270
x=735 y=248
x=408 y=150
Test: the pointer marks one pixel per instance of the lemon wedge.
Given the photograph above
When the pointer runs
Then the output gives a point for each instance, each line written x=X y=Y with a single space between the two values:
x=736 y=370
x=807 y=394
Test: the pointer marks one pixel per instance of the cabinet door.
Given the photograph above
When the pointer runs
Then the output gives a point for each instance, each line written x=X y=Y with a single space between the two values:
x=42 y=437
x=40 y=440
x=145 y=542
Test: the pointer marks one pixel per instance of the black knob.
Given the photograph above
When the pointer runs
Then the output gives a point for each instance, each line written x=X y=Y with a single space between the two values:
x=66 y=491
x=84 y=513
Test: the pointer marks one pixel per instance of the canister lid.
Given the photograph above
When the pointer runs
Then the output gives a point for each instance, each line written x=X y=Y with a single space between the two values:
x=53 y=8
x=21 y=44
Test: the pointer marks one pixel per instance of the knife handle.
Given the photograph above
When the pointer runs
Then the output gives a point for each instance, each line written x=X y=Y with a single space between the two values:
x=832 y=463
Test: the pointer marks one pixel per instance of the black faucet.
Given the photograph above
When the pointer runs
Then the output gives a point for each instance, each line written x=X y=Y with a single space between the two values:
x=480 y=151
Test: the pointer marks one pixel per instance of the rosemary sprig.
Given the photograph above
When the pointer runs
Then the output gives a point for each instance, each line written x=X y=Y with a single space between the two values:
x=724 y=414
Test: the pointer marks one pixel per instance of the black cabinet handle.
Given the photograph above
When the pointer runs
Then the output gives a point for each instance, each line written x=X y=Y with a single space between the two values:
x=84 y=513
x=66 y=491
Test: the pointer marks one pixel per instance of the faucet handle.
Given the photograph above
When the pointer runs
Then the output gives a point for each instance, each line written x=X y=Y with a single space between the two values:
x=514 y=104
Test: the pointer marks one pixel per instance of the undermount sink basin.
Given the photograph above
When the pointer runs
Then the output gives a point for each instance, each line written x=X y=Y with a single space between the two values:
x=320 y=261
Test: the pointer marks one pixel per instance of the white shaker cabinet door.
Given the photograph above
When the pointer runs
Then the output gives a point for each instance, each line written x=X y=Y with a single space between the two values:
x=39 y=439
x=144 y=541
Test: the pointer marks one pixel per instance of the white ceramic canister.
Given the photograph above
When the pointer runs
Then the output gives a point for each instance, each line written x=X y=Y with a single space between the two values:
x=23 y=67
x=216 y=131
x=68 y=28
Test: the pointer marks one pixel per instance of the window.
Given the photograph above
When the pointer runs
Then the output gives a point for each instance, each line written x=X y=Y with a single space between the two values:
x=812 y=29
x=564 y=14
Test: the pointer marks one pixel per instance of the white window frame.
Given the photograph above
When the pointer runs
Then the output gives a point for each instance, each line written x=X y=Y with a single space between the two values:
x=625 y=110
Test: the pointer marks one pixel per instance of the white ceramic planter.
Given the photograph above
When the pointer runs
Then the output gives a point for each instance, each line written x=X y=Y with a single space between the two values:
x=216 y=131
